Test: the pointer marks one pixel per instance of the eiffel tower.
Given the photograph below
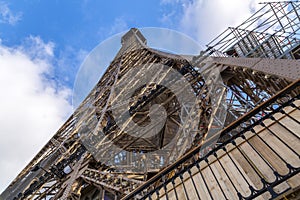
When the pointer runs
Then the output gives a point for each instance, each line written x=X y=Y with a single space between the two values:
x=245 y=144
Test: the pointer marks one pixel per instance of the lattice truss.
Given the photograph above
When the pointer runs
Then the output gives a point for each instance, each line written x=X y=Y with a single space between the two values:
x=255 y=60
x=272 y=32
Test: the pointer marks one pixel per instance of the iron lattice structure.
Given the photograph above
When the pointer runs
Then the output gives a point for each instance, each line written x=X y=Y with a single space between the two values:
x=256 y=60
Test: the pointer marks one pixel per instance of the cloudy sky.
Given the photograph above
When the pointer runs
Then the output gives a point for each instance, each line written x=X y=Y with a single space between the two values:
x=43 y=43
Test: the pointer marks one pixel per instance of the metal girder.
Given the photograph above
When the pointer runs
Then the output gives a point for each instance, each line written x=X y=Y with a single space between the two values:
x=288 y=69
x=110 y=181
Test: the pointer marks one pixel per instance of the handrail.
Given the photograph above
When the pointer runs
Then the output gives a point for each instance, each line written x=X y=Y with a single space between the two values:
x=227 y=129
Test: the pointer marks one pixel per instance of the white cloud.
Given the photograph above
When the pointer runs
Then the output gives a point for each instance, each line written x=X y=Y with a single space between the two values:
x=32 y=107
x=119 y=25
x=167 y=18
x=7 y=16
x=206 y=19
x=68 y=60
x=35 y=47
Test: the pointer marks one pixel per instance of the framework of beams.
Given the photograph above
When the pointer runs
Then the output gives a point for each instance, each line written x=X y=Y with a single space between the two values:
x=257 y=154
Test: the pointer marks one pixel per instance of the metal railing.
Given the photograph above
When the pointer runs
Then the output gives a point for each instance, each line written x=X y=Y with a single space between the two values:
x=188 y=176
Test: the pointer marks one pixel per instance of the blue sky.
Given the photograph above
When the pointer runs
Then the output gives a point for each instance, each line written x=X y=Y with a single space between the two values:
x=76 y=26
x=43 y=43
